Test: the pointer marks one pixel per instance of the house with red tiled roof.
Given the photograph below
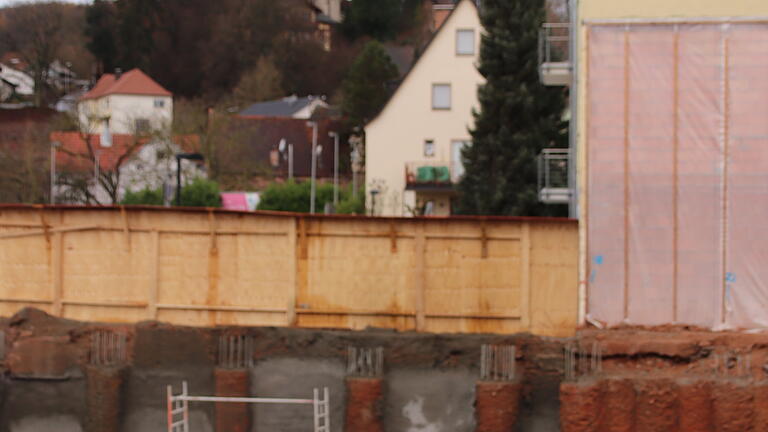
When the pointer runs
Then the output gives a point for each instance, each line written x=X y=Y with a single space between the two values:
x=127 y=163
x=125 y=103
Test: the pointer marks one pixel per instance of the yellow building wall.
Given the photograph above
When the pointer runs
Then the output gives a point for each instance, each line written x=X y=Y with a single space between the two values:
x=207 y=268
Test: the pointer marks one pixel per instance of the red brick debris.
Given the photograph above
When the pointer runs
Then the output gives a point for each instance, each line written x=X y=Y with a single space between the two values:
x=497 y=406
x=364 y=399
x=232 y=417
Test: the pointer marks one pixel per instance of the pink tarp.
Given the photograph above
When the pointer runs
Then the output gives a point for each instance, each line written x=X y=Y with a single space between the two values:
x=677 y=145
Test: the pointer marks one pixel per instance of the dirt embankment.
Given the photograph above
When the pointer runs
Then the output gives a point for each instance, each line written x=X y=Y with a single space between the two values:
x=650 y=380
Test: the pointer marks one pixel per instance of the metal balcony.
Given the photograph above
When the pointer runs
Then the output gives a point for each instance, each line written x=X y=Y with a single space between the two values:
x=555 y=64
x=430 y=176
x=553 y=176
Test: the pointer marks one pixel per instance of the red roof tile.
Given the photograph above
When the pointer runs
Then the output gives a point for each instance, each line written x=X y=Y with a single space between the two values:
x=74 y=153
x=133 y=82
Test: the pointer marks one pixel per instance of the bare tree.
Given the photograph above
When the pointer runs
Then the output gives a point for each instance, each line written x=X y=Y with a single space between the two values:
x=34 y=30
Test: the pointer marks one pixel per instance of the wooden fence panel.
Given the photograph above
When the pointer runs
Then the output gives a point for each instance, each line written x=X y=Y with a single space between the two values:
x=209 y=268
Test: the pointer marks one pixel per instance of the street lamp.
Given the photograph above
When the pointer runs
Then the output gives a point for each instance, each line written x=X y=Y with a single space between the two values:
x=54 y=146
x=312 y=190
x=179 y=157
x=335 y=137
x=282 y=149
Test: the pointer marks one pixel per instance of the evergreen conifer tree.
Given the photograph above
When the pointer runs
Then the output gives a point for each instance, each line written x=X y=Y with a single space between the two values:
x=518 y=116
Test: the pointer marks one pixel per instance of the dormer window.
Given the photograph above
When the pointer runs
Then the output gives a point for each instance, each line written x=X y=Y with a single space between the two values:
x=465 y=42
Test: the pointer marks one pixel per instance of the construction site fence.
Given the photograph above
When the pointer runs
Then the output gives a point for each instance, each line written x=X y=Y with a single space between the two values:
x=210 y=267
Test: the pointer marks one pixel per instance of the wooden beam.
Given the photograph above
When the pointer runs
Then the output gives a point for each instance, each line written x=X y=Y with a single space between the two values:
x=419 y=275
x=57 y=273
x=154 y=283
x=392 y=237
x=293 y=288
x=525 y=275
x=48 y=232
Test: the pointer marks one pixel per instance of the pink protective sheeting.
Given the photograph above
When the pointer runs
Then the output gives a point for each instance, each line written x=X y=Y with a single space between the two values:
x=686 y=106
x=650 y=192
x=699 y=177
x=747 y=233
x=606 y=174
x=234 y=201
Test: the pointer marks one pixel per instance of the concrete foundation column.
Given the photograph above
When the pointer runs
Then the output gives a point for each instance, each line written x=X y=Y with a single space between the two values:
x=695 y=401
x=104 y=386
x=656 y=406
x=618 y=406
x=496 y=406
x=733 y=406
x=581 y=406
x=364 y=402
x=232 y=417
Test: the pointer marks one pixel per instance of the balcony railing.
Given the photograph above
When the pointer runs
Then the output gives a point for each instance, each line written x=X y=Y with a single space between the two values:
x=554 y=54
x=553 y=176
x=430 y=176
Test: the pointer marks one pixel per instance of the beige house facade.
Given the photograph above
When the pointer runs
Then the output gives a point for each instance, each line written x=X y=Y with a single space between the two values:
x=413 y=147
x=128 y=103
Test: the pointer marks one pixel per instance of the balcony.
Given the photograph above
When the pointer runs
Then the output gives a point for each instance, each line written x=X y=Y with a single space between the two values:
x=553 y=176
x=430 y=176
x=554 y=54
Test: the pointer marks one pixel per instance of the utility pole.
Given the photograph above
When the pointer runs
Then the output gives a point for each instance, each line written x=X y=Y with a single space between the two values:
x=312 y=191
x=335 y=137
x=54 y=146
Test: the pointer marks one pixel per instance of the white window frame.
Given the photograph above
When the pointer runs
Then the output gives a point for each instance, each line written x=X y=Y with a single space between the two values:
x=459 y=51
x=435 y=105
x=159 y=103
x=429 y=148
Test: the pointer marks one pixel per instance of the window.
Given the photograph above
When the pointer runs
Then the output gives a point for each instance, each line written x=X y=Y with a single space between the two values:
x=465 y=42
x=429 y=148
x=159 y=103
x=457 y=164
x=106 y=135
x=142 y=125
x=441 y=96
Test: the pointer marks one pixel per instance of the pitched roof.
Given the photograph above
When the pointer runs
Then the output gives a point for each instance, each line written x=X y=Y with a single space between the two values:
x=424 y=50
x=285 y=107
x=74 y=154
x=133 y=82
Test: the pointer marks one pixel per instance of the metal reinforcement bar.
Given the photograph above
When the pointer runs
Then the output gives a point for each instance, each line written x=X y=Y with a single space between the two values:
x=497 y=362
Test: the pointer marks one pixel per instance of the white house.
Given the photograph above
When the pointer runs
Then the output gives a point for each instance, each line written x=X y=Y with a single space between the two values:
x=125 y=103
x=413 y=147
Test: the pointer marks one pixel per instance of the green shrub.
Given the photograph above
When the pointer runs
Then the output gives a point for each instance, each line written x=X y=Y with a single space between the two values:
x=294 y=197
x=201 y=193
x=145 y=196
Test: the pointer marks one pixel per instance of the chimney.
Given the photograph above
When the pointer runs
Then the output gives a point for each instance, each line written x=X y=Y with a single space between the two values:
x=118 y=73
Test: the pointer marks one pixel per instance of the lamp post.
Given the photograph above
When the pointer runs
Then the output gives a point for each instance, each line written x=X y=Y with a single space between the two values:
x=282 y=147
x=179 y=157
x=312 y=190
x=54 y=146
x=335 y=137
